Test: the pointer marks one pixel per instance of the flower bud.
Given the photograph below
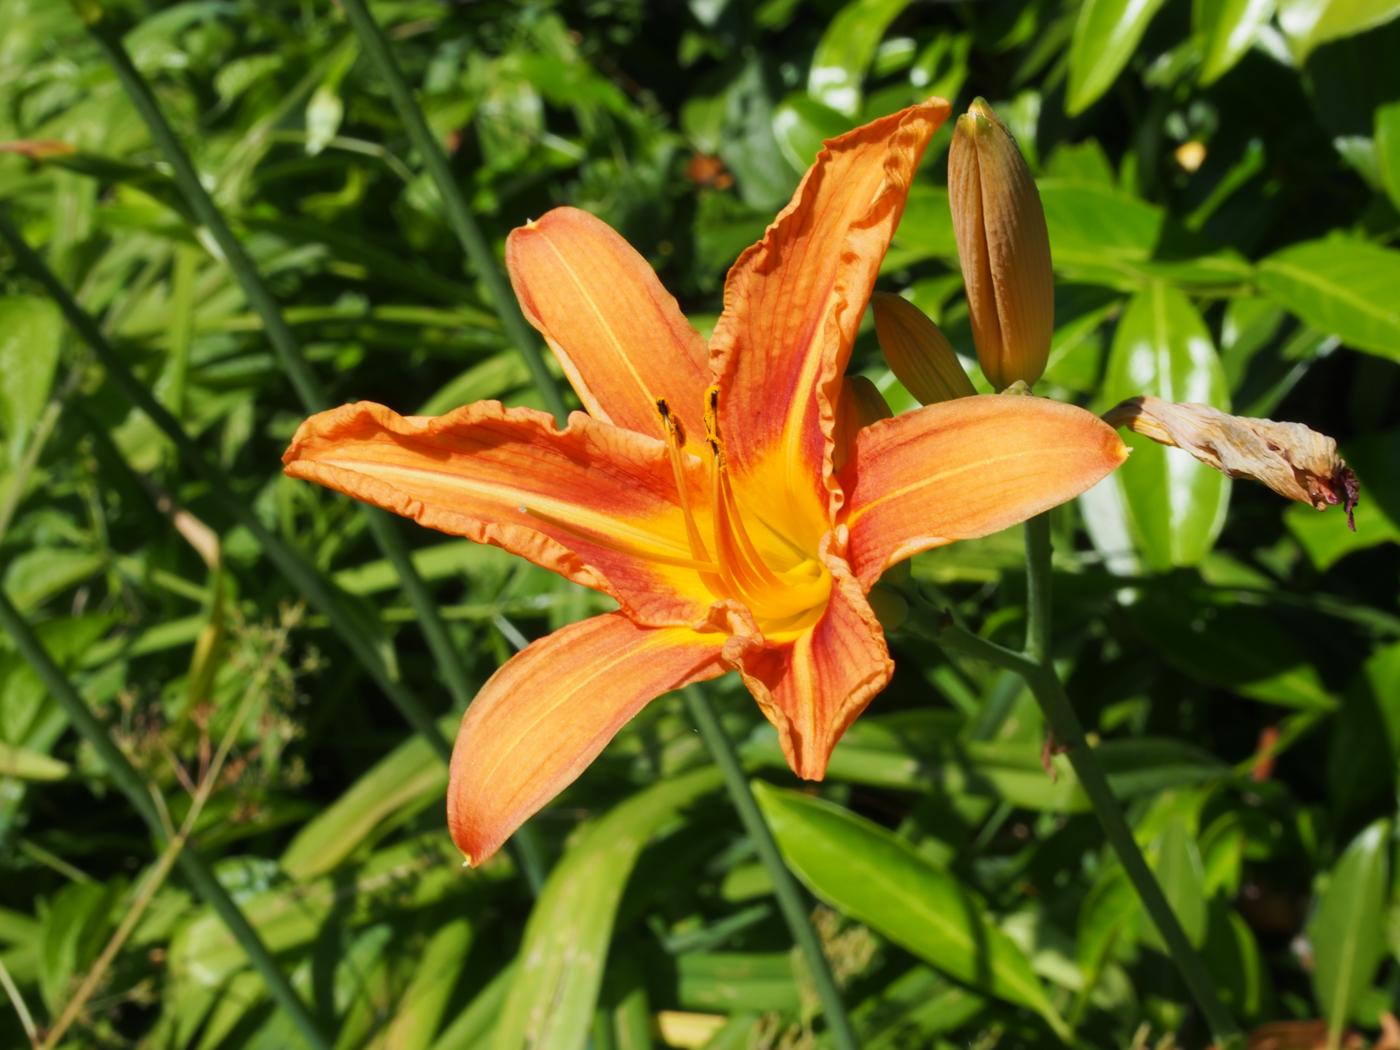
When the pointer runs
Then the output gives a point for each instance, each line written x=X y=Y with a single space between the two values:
x=1003 y=247
x=917 y=352
x=860 y=404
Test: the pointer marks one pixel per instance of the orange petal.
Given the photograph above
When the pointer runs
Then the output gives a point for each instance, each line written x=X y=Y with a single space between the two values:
x=545 y=715
x=966 y=468
x=813 y=688
x=596 y=504
x=618 y=334
x=793 y=301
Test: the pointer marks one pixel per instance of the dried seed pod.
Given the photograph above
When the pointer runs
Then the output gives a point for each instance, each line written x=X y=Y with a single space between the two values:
x=1296 y=462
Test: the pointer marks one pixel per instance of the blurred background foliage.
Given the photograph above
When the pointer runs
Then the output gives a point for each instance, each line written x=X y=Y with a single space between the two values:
x=1221 y=181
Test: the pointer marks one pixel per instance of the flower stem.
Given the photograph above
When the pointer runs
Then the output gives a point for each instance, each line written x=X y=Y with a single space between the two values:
x=289 y=353
x=1035 y=667
x=459 y=216
x=790 y=899
x=195 y=868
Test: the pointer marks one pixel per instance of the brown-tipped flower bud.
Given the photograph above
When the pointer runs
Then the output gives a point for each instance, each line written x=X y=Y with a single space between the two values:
x=1294 y=461
x=917 y=352
x=1004 y=248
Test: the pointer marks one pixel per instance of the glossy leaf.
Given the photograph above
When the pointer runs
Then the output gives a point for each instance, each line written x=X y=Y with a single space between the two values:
x=869 y=874
x=1310 y=23
x=1106 y=33
x=1346 y=935
x=1176 y=861
x=566 y=940
x=801 y=124
x=1343 y=286
x=1162 y=508
x=1228 y=28
x=1387 y=148
x=845 y=52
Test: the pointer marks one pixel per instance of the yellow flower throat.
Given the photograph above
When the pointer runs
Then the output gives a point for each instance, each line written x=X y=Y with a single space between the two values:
x=769 y=566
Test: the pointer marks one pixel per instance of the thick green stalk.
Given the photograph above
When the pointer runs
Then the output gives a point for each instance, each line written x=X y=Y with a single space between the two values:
x=785 y=889
x=459 y=216
x=284 y=343
x=1036 y=668
x=195 y=868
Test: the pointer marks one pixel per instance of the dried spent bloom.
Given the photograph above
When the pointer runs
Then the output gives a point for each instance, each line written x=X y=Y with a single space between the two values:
x=700 y=489
x=1003 y=247
x=917 y=352
x=1297 y=463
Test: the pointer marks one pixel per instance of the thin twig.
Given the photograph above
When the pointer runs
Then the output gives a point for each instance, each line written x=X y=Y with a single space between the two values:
x=156 y=877
x=195 y=868
x=26 y=1019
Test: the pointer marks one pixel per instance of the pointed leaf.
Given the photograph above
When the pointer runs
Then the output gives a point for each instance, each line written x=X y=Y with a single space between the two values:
x=1106 y=34
x=1161 y=508
x=845 y=51
x=1228 y=28
x=1346 y=930
x=566 y=941
x=1342 y=286
x=867 y=873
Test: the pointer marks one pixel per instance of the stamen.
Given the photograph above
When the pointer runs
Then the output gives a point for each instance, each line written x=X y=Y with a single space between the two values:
x=675 y=441
x=746 y=553
x=614 y=542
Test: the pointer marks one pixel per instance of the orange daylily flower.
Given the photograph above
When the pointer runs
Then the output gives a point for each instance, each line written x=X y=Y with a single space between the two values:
x=698 y=490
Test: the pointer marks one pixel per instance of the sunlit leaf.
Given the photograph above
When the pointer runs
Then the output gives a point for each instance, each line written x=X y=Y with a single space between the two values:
x=869 y=874
x=1342 y=286
x=1106 y=33
x=1162 y=508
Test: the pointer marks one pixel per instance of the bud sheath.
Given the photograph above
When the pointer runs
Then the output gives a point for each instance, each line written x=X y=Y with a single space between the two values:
x=1003 y=247
x=918 y=353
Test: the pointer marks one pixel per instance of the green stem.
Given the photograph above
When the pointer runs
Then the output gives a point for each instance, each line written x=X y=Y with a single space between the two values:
x=1039 y=674
x=195 y=868
x=284 y=344
x=785 y=889
x=459 y=216
x=1038 y=598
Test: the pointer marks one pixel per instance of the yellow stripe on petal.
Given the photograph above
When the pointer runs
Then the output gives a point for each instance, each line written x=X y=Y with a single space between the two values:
x=594 y=503
x=549 y=712
x=966 y=468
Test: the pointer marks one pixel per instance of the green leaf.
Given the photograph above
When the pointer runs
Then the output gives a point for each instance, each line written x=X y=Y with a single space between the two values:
x=395 y=788
x=1161 y=509
x=420 y=1009
x=876 y=878
x=1342 y=286
x=1387 y=147
x=566 y=939
x=1308 y=23
x=1234 y=647
x=30 y=765
x=1227 y=28
x=845 y=51
x=1176 y=861
x=801 y=124
x=1346 y=933
x=29 y=340
x=1106 y=34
